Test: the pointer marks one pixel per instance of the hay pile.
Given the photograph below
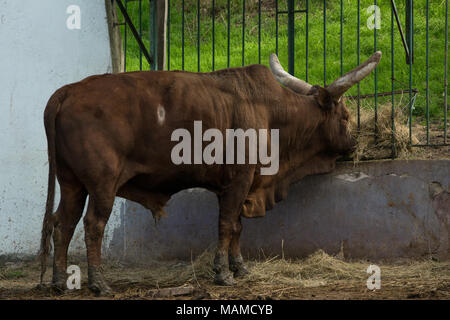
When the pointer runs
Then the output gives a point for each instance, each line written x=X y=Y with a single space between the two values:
x=373 y=146
x=318 y=269
x=315 y=270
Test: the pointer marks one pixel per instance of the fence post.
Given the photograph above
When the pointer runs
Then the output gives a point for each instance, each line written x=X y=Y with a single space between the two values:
x=115 y=41
x=162 y=22
x=409 y=16
x=158 y=33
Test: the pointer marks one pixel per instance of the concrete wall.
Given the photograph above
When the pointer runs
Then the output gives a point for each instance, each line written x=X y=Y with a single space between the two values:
x=375 y=210
x=38 y=55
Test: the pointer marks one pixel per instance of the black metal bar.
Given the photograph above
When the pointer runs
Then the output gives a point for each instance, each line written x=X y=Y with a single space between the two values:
x=324 y=43
x=125 y=43
x=357 y=63
x=228 y=32
x=213 y=34
x=291 y=37
x=198 y=35
x=182 y=35
x=243 y=32
x=428 y=71
x=410 y=56
x=430 y=145
x=307 y=39
x=445 y=71
x=375 y=72
x=410 y=62
x=409 y=16
x=140 y=33
x=124 y=12
x=259 y=31
x=341 y=36
x=383 y=94
x=153 y=34
x=393 y=146
x=276 y=27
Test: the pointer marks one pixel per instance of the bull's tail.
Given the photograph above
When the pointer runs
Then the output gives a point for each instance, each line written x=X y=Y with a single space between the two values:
x=50 y=114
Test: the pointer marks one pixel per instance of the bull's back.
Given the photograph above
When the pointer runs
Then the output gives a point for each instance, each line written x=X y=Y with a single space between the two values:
x=128 y=119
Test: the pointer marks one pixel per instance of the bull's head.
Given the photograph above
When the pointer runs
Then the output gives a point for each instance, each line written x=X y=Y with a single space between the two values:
x=329 y=99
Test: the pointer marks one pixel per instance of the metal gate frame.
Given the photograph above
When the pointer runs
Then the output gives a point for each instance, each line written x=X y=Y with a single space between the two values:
x=153 y=53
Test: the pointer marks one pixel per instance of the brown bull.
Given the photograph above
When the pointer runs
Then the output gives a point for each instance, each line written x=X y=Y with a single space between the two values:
x=110 y=135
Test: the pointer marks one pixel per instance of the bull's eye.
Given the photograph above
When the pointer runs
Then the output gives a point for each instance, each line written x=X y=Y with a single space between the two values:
x=346 y=116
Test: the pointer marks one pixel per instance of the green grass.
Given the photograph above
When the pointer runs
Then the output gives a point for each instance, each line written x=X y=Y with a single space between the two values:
x=315 y=58
x=12 y=274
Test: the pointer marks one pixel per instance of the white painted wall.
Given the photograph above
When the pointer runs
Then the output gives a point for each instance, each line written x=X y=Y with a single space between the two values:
x=39 y=54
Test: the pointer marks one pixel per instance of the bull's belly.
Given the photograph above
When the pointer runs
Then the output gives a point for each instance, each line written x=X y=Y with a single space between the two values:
x=153 y=190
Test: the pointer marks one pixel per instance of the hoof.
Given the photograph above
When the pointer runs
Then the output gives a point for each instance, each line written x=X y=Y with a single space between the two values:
x=224 y=278
x=42 y=287
x=58 y=288
x=241 y=271
x=100 y=289
x=97 y=284
x=223 y=275
x=237 y=266
x=59 y=284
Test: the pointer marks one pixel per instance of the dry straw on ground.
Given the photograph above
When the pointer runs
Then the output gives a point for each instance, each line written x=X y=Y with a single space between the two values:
x=318 y=269
x=319 y=275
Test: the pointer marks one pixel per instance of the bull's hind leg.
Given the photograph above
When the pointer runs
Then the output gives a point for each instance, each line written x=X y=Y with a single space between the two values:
x=97 y=215
x=236 y=261
x=230 y=203
x=66 y=218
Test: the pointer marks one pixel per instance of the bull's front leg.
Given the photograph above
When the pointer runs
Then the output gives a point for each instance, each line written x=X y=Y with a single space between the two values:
x=230 y=203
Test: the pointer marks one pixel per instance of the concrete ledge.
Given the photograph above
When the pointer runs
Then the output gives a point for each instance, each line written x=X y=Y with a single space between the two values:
x=374 y=210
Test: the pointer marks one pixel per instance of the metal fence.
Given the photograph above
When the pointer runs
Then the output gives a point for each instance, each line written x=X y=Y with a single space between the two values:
x=319 y=40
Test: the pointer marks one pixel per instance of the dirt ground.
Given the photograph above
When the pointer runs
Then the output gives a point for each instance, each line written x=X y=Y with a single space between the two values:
x=318 y=276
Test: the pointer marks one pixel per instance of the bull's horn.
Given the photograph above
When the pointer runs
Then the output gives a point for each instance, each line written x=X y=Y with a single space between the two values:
x=341 y=85
x=285 y=78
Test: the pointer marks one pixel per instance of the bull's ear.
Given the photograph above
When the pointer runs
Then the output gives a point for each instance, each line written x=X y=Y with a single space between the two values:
x=323 y=97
